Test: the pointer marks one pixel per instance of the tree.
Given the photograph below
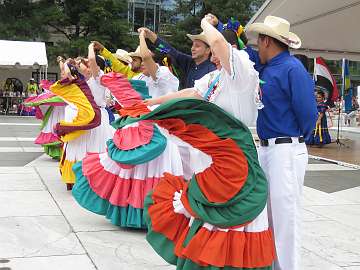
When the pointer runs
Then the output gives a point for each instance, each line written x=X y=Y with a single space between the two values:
x=190 y=13
x=18 y=20
x=75 y=23
x=242 y=10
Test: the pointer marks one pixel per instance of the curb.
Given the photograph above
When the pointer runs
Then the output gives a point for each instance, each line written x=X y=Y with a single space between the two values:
x=341 y=163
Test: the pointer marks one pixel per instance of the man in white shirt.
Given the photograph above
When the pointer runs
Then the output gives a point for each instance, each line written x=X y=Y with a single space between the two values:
x=159 y=79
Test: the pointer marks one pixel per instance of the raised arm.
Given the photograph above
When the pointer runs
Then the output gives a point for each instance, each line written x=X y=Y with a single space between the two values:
x=64 y=68
x=60 y=60
x=94 y=68
x=148 y=61
x=185 y=93
x=217 y=42
x=183 y=60
x=148 y=34
x=116 y=64
x=216 y=22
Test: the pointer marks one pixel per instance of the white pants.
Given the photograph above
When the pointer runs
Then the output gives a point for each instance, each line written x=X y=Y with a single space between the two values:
x=284 y=166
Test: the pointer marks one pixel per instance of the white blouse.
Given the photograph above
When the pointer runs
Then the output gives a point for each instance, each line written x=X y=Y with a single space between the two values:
x=165 y=82
x=235 y=92
x=98 y=90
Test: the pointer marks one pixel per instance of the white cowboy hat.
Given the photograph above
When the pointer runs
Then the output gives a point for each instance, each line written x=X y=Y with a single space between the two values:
x=123 y=55
x=136 y=53
x=277 y=28
x=200 y=36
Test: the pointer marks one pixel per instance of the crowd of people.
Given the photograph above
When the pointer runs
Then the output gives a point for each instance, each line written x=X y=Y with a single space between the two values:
x=182 y=163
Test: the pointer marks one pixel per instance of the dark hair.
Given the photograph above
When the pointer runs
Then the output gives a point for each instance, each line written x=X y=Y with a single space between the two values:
x=244 y=38
x=303 y=59
x=231 y=37
x=74 y=71
x=321 y=93
x=158 y=57
x=278 y=43
x=100 y=62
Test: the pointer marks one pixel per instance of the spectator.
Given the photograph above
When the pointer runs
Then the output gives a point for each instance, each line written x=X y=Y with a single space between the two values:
x=351 y=113
x=355 y=104
x=32 y=88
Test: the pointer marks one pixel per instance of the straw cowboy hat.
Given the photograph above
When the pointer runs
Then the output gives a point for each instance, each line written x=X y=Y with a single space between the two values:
x=123 y=55
x=200 y=36
x=277 y=28
x=136 y=53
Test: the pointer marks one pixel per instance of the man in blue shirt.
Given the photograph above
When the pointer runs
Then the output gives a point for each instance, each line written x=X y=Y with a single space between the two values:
x=287 y=114
x=193 y=66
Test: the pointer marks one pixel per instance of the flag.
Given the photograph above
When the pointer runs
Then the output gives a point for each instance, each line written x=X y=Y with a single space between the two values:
x=346 y=85
x=325 y=80
x=346 y=90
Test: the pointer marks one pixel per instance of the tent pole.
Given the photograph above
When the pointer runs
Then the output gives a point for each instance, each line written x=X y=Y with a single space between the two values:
x=340 y=105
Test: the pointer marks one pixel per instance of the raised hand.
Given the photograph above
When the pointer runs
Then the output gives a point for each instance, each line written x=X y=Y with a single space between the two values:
x=145 y=30
x=212 y=19
x=148 y=33
x=142 y=33
x=97 y=45
x=68 y=74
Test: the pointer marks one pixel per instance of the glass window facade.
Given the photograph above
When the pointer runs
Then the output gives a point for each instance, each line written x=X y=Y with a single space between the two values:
x=144 y=13
x=157 y=15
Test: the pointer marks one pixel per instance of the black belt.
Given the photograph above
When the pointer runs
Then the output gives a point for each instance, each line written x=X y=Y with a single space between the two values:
x=281 y=140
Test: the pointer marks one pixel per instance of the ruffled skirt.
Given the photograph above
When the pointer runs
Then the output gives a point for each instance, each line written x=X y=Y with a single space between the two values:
x=93 y=141
x=118 y=191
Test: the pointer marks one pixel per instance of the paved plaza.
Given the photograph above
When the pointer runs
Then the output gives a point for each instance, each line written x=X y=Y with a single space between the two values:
x=42 y=227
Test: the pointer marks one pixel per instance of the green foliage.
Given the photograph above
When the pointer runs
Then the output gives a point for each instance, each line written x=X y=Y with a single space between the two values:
x=18 y=20
x=242 y=10
x=74 y=23
x=71 y=25
x=191 y=12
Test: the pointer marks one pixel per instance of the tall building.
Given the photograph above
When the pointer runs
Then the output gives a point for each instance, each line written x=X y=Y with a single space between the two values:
x=153 y=14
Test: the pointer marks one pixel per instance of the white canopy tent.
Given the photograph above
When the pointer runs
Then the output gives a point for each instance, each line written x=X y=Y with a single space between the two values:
x=327 y=28
x=23 y=54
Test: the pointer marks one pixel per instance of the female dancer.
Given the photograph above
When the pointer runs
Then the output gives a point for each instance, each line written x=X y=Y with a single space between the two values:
x=50 y=109
x=218 y=219
x=321 y=135
x=86 y=127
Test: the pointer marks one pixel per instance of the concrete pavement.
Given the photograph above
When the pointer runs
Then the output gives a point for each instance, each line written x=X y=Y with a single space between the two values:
x=42 y=227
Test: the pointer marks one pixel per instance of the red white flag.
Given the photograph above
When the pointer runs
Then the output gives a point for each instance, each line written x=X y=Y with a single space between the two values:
x=325 y=79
